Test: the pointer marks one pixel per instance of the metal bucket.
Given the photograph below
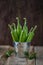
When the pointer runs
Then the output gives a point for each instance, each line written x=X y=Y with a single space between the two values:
x=20 y=48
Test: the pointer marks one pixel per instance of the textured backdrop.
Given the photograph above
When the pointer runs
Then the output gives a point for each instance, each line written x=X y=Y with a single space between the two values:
x=31 y=9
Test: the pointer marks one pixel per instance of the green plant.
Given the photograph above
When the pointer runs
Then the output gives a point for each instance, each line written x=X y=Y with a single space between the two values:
x=30 y=56
x=20 y=34
x=9 y=52
x=26 y=54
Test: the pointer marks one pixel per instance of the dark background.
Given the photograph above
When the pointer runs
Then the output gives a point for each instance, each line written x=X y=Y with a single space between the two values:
x=31 y=9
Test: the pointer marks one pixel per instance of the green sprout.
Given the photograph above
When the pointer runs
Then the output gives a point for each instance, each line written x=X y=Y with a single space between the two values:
x=30 y=56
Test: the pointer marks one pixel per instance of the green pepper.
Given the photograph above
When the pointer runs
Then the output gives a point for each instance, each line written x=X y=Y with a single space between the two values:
x=24 y=33
x=13 y=32
x=11 y=29
x=30 y=37
x=31 y=34
x=19 y=27
x=13 y=26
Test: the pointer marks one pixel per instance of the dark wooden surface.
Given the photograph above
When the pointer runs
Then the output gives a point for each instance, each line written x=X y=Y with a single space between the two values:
x=31 y=9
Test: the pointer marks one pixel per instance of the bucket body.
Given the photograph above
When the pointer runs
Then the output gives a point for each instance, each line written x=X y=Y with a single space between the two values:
x=20 y=48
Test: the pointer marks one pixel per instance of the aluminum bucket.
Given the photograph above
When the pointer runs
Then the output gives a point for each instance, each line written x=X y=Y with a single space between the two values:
x=20 y=48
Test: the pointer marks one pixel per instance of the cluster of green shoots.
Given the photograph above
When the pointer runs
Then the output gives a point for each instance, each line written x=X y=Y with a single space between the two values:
x=30 y=56
x=21 y=34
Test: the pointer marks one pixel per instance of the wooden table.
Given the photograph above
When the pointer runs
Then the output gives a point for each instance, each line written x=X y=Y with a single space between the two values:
x=13 y=60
